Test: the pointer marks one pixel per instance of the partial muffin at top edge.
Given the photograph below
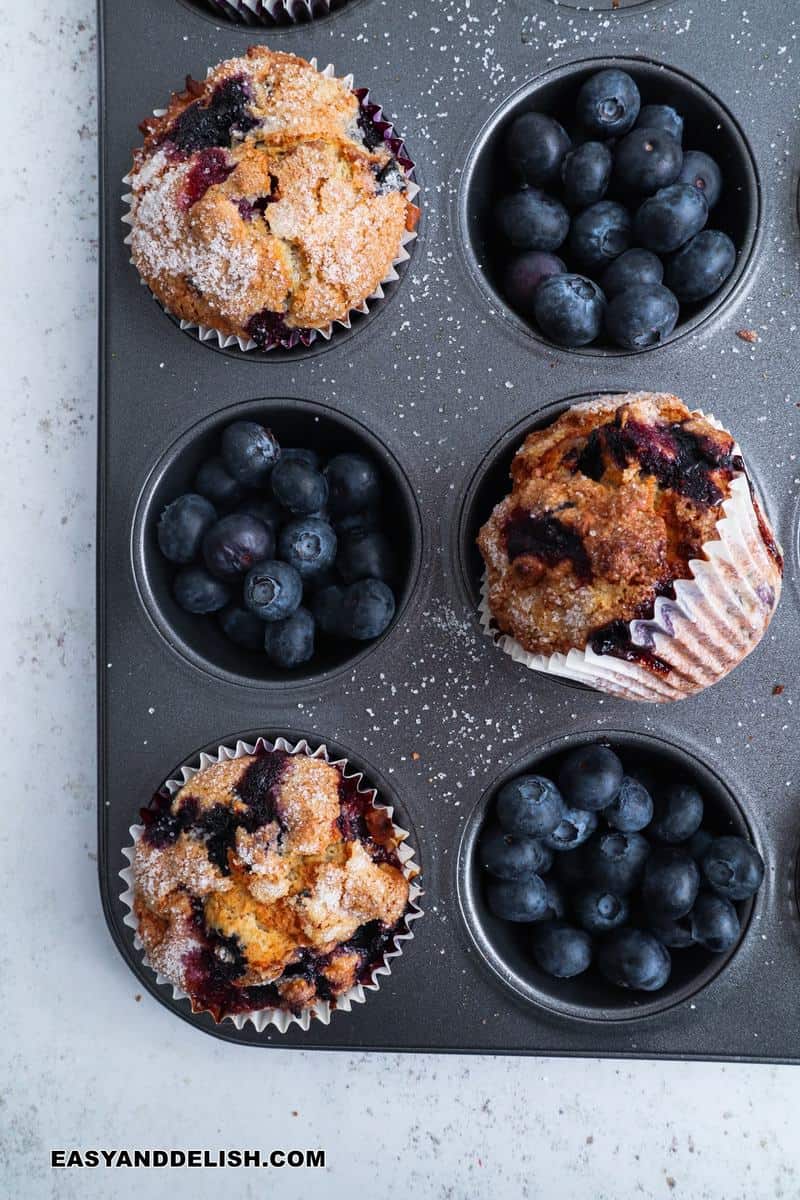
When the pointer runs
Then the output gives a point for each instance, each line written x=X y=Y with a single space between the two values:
x=610 y=505
x=263 y=201
x=267 y=881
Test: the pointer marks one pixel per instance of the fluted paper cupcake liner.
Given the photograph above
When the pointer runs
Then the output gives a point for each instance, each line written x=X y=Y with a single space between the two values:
x=322 y=1010
x=717 y=617
x=305 y=337
x=273 y=12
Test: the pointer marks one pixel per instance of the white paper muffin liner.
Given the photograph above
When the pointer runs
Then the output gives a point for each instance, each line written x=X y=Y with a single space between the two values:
x=305 y=337
x=717 y=617
x=322 y=1010
x=274 y=12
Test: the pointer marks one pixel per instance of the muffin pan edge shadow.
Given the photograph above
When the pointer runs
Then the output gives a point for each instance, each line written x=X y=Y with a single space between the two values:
x=710 y=126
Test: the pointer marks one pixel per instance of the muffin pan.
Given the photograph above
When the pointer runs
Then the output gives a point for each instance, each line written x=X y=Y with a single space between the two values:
x=440 y=390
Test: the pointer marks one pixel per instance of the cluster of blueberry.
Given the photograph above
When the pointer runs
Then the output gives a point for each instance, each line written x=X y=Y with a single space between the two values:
x=643 y=876
x=628 y=205
x=298 y=552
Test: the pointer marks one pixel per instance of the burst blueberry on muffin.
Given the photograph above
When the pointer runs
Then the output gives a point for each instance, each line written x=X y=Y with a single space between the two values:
x=268 y=881
x=266 y=200
x=632 y=553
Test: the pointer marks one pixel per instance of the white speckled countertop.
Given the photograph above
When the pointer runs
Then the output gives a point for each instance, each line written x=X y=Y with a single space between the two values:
x=86 y=1060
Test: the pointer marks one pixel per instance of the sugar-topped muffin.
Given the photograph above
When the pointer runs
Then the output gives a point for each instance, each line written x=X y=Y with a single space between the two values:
x=265 y=200
x=612 y=506
x=267 y=881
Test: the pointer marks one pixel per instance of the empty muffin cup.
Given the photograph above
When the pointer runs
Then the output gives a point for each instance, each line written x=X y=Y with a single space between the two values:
x=271 y=12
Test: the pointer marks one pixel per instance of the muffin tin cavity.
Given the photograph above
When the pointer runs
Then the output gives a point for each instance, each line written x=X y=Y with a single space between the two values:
x=269 y=13
x=506 y=947
x=709 y=126
x=294 y=423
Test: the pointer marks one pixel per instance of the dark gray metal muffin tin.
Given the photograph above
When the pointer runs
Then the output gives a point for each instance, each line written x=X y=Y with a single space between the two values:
x=446 y=379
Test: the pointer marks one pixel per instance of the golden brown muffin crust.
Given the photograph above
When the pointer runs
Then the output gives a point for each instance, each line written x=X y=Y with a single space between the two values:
x=262 y=869
x=609 y=504
x=272 y=208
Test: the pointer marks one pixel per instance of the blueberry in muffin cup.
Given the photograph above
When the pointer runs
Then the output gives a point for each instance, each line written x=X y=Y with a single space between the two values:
x=268 y=885
x=269 y=203
x=633 y=554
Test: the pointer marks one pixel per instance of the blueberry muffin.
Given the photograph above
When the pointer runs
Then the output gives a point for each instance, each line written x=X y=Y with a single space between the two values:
x=268 y=881
x=632 y=552
x=266 y=201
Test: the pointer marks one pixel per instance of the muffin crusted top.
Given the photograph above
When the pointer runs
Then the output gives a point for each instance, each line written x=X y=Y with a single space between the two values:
x=609 y=506
x=264 y=200
x=268 y=880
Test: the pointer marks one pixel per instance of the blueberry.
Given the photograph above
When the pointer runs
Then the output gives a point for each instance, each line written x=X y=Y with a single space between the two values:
x=678 y=812
x=562 y=950
x=290 y=643
x=556 y=903
x=183 y=525
x=267 y=511
x=733 y=867
x=633 y=958
x=532 y=220
x=646 y=160
x=234 y=543
x=273 y=590
x=367 y=609
x=661 y=116
x=608 y=103
x=216 y=484
x=242 y=627
x=303 y=454
x=569 y=309
x=328 y=609
x=353 y=484
x=599 y=911
x=677 y=935
x=299 y=487
x=575 y=827
x=249 y=452
x=309 y=545
x=642 y=316
x=368 y=521
x=701 y=266
x=535 y=145
x=632 y=809
x=670 y=884
x=570 y=869
x=585 y=174
x=529 y=806
x=668 y=220
x=699 y=843
x=197 y=591
x=599 y=234
x=590 y=776
x=714 y=923
x=366 y=556
x=518 y=899
x=702 y=172
x=508 y=857
x=631 y=268
x=524 y=273
x=616 y=861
